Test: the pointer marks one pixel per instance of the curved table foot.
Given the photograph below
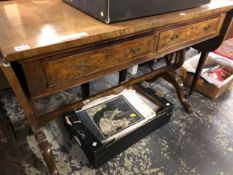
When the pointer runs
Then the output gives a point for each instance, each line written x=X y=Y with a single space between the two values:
x=46 y=151
x=178 y=84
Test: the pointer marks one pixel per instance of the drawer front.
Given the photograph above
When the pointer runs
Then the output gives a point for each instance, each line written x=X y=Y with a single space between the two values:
x=76 y=66
x=181 y=35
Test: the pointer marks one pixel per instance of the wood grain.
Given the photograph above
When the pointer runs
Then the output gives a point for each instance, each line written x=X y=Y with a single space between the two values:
x=54 y=26
x=62 y=70
x=230 y=32
x=73 y=67
x=174 y=37
x=31 y=116
x=58 y=47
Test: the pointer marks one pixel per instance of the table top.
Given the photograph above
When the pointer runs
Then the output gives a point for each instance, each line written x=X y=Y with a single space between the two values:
x=32 y=28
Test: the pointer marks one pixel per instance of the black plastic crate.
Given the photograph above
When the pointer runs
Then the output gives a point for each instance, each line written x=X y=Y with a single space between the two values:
x=103 y=152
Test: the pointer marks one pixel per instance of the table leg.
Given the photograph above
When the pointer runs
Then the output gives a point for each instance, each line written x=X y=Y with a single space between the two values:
x=30 y=115
x=85 y=88
x=9 y=157
x=122 y=76
x=175 y=61
x=46 y=151
x=178 y=84
x=202 y=60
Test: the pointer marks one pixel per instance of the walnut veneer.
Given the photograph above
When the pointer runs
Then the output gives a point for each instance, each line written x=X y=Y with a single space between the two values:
x=49 y=47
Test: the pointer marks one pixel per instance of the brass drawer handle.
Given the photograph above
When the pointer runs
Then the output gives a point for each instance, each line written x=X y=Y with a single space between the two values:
x=136 y=50
x=82 y=67
x=108 y=53
x=207 y=27
x=174 y=37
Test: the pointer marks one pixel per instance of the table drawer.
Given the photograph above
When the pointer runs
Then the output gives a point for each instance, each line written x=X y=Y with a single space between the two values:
x=64 y=70
x=181 y=35
x=76 y=66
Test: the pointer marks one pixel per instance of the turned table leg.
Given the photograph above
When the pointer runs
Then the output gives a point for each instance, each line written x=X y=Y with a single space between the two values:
x=175 y=61
x=31 y=116
x=178 y=84
x=46 y=151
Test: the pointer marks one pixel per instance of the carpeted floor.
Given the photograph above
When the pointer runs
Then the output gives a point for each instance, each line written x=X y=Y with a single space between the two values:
x=191 y=144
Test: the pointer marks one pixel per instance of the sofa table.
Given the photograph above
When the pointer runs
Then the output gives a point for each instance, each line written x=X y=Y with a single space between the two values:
x=48 y=47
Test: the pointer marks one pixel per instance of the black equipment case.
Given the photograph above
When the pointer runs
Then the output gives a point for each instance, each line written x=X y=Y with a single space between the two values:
x=110 y=11
x=100 y=154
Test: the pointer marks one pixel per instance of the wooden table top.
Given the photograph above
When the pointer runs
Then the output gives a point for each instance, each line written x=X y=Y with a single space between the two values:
x=31 y=28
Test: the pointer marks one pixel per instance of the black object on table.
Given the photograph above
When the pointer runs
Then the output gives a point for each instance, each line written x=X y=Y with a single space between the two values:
x=118 y=10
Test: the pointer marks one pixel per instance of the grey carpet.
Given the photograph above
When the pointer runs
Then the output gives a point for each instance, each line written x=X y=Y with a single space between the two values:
x=191 y=144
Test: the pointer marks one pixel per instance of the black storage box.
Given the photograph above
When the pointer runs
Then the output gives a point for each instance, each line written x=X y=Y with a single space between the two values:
x=101 y=153
x=110 y=11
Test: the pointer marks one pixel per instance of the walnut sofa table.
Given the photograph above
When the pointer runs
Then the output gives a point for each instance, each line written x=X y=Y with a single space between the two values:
x=49 y=47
